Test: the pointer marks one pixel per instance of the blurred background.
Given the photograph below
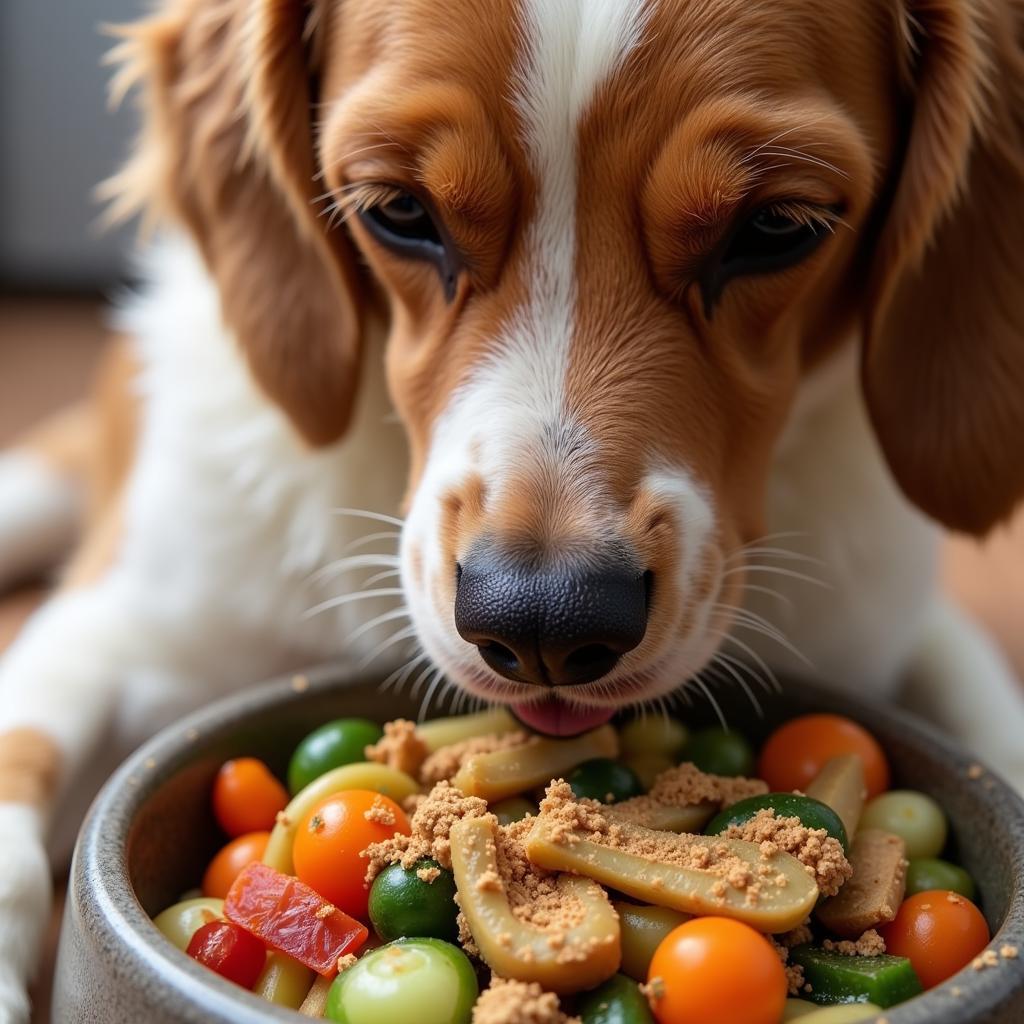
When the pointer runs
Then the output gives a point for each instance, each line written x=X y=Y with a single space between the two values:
x=58 y=140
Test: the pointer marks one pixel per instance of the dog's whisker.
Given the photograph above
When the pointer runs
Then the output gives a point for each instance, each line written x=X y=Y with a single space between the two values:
x=354 y=562
x=771 y=680
x=395 y=613
x=386 y=575
x=370 y=538
x=756 y=589
x=425 y=706
x=778 y=571
x=362 y=595
x=778 y=637
x=405 y=633
x=398 y=677
x=732 y=667
x=782 y=553
x=420 y=680
x=710 y=697
x=362 y=513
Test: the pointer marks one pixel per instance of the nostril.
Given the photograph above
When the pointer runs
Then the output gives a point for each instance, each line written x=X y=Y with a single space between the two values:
x=590 y=661
x=499 y=657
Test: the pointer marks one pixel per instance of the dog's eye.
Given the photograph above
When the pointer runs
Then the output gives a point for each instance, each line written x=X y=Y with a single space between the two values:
x=404 y=225
x=771 y=239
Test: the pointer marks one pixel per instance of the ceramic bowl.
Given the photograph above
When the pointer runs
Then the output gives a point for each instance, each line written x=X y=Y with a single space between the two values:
x=150 y=833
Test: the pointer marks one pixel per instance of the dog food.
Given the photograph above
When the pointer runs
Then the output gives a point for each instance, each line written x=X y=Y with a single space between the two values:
x=466 y=871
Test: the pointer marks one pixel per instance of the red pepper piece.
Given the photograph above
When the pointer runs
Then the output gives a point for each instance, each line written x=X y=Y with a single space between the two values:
x=291 y=917
x=230 y=951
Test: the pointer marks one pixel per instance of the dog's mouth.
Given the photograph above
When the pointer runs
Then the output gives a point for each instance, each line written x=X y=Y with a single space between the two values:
x=553 y=716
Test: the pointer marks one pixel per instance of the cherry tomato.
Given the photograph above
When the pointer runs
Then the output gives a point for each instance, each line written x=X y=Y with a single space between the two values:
x=246 y=797
x=330 y=839
x=797 y=751
x=717 y=969
x=939 y=932
x=227 y=865
x=230 y=951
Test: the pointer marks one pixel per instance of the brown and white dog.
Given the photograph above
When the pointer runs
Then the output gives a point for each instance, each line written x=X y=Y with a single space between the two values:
x=649 y=283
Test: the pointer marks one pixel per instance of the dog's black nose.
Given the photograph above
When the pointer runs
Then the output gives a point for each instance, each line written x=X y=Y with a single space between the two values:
x=550 y=626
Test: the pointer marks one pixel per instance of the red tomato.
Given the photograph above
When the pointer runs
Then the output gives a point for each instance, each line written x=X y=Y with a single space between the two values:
x=798 y=750
x=246 y=797
x=716 y=969
x=292 y=918
x=229 y=861
x=939 y=932
x=329 y=842
x=230 y=951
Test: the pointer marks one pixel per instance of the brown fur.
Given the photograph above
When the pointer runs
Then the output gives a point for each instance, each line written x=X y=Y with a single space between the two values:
x=906 y=116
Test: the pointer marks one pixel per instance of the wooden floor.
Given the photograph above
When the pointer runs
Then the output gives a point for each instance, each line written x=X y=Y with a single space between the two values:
x=48 y=349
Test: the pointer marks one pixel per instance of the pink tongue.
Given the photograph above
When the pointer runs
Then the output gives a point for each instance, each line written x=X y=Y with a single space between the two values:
x=553 y=718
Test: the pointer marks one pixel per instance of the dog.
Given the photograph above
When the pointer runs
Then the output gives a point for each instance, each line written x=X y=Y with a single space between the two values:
x=684 y=308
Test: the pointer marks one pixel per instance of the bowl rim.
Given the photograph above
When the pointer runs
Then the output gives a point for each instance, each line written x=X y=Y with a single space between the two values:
x=118 y=917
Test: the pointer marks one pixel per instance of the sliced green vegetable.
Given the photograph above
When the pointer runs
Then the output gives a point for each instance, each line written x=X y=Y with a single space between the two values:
x=404 y=904
x=643 y=927
x=180 y=922
x=848 y=1013
x=719 y=752
x=883 y=980
x=443 y=732
x=647 y=767
x=916 y=818
x=617 y=1001
x=343 y=741
x=812 y=813
x=605 y=780
x=423 y=980
x=654 y=734
x=515 y=808
x=927 y=873
x=840 y=784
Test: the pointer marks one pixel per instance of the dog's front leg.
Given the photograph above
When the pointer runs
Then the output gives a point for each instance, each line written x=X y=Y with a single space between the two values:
x=960 y=680
x=59 y=686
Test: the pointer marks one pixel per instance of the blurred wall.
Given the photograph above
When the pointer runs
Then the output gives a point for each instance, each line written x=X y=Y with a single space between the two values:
x=57 y=141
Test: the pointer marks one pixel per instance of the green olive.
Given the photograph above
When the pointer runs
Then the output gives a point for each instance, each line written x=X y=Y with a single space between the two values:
x=642 y=928
x=654 y=734
x=603 y=779
x=515 y=808
x=342 y=741
x=927 y=873
x=812 y=814
x=180 y=922
x=617 y=1001
x=423 y=980
x=917 y=819
x=719 y=752
x=403 y=904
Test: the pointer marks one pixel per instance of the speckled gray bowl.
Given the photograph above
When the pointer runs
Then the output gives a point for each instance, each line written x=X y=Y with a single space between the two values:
x=150 y=833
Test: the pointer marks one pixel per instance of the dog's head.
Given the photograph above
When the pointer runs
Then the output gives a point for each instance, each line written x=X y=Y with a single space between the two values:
x=611 y=237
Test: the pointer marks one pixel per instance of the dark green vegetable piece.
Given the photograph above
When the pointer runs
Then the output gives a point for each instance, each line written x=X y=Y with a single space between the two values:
x=834 y=978
x=604 y=779
x=927 y=873
x=617 y=1001
x=403 y=904
x=719 y=752
x=342 y=741
x=812 y=814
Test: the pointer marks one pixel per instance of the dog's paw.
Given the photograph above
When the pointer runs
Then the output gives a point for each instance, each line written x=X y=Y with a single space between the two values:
x=25 y=898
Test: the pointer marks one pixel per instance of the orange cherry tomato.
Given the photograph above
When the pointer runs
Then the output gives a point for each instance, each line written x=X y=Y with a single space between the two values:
x=798 y=750
x=938 y=931
x=228 y=863
x=716 y=969
x=246 y=797
x=329 y=841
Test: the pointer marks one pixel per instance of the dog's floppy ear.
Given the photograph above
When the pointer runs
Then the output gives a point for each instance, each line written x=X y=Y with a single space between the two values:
x=943 y=363
x=228 y=147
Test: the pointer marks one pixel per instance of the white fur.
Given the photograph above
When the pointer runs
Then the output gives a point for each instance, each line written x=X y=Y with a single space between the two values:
x=227 y=517
x=39 y=511
x=512 y=412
